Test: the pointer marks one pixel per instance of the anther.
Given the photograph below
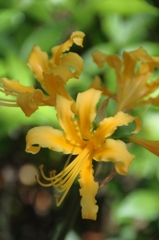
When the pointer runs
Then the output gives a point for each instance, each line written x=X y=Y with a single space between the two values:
x=57 y=196
x=52 y=173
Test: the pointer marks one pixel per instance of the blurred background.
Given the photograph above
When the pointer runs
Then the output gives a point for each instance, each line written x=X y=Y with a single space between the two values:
x=129 y=205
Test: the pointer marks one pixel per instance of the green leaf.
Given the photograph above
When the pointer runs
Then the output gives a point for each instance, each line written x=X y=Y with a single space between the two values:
x=46 y=37
x=18 y=70
x=123 y=31
x=39 y=10
x=13 y=118
x=9 y=18
x=125 y=7
x=141 y=205
x=3 y=70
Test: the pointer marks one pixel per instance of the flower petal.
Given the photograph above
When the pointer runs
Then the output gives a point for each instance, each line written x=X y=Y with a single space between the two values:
x=86 y=110
x=38 y=63
x=77 y=38
x=133 y=73
x=63 y=72
x=138 y=123
x=11 y=86
x=97 y=84
x=88 y=191
x=54 y=85
x=72 y=63
x=141 y=55
x=154 y=101
x=47 y=137
x=71 y=66
x=115 y=151
x=134 y=86
x=27 y=98
x=108 y=126
x=29 y=102
x=113 y=60
x=67 y=121
x=57 y=52
x=152 y=146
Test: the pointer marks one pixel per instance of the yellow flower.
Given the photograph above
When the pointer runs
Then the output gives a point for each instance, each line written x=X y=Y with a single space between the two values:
x=63 y=64
x=52 y=75
x=80 y=138
x=133 y=74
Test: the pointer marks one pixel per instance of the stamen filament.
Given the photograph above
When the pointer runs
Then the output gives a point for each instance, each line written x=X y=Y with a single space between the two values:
x=8 y=100
x=64 y=180
x=62 y=177
x=42 y=184
x=8 y=105
x=66 y=187
x=43 y=174
x=81 y=160
x=7 y=92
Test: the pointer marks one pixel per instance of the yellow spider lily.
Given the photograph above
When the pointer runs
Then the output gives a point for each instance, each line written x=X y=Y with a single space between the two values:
x=52 y=74
x=133 y=74
x=78 y=137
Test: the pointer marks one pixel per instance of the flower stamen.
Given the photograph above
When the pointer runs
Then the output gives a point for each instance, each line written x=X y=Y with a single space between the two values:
x=42 y=173
x=43 y=184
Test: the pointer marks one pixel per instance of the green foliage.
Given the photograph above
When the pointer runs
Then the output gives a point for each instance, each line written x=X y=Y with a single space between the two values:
x=126 y=8
x=139 y=205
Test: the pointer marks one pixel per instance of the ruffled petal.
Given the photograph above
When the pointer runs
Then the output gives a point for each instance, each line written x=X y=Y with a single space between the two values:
x=57 y=52
x=77 y=38
x=114 y=151
x=63 y=72
x=86 y=110
x=29 y=102
x=134 y=81
x=26 y=104
x=141 y=55
x=48 y=137
x=152 y=146
x=74 y=62
x=107 y=127
x=71 y=66
x=54 y=85
x=38 y=63
x=134 y=86
x=133 y=73
x=112 y=60
x=67 y=121
x=88 y=191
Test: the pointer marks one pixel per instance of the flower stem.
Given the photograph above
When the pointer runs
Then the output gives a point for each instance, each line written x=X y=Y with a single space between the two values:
x=108 y=178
